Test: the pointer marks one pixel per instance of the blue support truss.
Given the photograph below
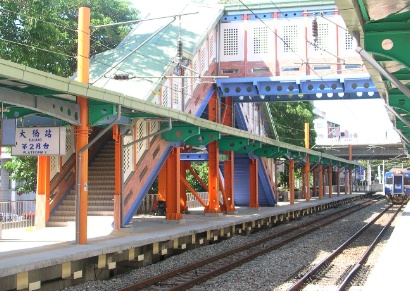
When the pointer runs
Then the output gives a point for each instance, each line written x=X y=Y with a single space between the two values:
x=309 y=88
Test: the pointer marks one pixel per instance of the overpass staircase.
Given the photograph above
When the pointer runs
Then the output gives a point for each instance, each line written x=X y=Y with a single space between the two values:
x=100 y=192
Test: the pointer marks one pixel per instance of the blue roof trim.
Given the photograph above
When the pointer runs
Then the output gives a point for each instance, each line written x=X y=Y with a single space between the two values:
x=347 y=87
x=193 y=157
x=263 y=178
x=204 y=103
x=151 y=178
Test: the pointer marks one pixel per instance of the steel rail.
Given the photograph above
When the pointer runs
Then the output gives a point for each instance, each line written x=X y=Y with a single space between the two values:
x=298 y=285
x=227 y=267
x=367 y=253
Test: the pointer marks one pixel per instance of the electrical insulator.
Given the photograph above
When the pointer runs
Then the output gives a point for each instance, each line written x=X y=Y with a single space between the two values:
x=179 y=50
x=121 y=77
x=314 y=29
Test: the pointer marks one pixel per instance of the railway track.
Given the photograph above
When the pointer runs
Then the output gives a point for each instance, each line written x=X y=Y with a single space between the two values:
x=196 y=273
x=340 y=267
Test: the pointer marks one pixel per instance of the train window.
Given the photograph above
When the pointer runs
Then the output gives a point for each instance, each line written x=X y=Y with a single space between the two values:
x=389 y=180
x=406 y=181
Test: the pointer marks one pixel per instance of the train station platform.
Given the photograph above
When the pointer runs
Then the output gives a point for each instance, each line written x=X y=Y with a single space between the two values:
x=30 y=258
x=391 y=271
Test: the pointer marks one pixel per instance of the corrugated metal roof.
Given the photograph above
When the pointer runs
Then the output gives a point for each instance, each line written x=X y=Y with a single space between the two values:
x=150 y=49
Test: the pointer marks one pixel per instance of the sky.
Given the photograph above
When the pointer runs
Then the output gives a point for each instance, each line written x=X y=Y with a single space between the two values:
x=368 y=118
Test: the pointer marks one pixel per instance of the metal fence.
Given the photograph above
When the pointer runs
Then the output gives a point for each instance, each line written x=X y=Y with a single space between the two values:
x=17 y=214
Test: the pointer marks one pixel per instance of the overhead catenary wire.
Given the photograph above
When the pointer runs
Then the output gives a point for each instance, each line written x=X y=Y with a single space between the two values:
x=68 y=56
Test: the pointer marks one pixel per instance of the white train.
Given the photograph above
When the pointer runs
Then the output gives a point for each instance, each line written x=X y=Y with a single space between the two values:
x=397 y=186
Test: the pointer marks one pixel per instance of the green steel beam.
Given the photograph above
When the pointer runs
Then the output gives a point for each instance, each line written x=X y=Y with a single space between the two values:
x=98 y=112
x=270 y=151
x=295 y=155
x=363 y=10
x=232 y=143
x=402 y=74
x=399 y=101
x=314 y=159
x=395 y=28
x=204 y=138
x=180 y=132
x=249 y=148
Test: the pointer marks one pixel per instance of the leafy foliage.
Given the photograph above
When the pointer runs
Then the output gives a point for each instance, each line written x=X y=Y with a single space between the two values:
x=42 y=34
x=201 y=168
x=24 y=171
x=290 y=119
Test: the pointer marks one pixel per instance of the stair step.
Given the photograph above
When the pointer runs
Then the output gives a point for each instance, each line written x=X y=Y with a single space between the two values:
x=101 y=187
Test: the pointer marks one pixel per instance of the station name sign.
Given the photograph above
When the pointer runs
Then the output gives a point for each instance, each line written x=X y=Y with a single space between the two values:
x=40 y=141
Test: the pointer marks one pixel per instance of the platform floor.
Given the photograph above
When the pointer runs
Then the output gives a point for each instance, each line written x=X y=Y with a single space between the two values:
x=391 y=271
x=24 y=249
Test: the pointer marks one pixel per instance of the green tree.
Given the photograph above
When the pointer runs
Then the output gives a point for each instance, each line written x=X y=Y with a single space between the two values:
x=201 y=168
x=42 y=34
x=290 y=119
x=23 y=170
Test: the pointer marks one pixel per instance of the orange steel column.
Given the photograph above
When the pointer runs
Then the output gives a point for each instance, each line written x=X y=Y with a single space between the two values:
x=346 y=181
x=320 y=170
x=350 y=170
x=182 y=194
x=173 y=204
x=314 y=181
x=338 y=181
x=229 y=164
x=213 y=183
x=253 y=176
x=306 y=179
x=43 y=187
x=213 y=162
x=292 y=182
x=330 y=180
x=116 y=136
x=83 y=68
x=229 y=182
x=162 y=183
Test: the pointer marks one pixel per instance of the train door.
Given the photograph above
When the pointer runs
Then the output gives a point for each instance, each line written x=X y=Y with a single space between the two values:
x=398 y=184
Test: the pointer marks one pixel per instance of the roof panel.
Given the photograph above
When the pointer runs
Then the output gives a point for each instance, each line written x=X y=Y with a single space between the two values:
x=150 y=48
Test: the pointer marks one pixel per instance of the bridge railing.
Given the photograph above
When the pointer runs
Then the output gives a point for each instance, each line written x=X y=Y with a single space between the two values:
x=17 y=214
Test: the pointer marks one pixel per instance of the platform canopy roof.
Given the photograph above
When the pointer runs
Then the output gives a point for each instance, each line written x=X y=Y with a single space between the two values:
x=383 y=28
x=25 y=90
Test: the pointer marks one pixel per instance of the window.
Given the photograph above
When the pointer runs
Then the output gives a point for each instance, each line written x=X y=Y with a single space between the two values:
x=165 y=99
x=231 y=41
x=260 y=40
x=202 y=60
x=211 y=47
x=316 y=68
x=290 y=69
x=230 y=71
x=322 y=38
x=290 y=36
x=353 y=66
x=348 y=41
x=260 y=70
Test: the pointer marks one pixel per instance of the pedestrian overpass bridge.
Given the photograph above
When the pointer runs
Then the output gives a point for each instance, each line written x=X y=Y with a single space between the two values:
x=203 y=79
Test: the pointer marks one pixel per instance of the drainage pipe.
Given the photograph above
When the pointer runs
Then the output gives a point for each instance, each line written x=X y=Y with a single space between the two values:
x=383 y=71
x=403 y=120
x=78 y=171
x=122 y=161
